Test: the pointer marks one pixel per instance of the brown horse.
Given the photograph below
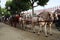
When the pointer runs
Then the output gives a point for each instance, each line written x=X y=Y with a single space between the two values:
x=13 y=20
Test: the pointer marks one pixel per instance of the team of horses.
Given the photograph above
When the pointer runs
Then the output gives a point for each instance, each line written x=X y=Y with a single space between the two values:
x=43 y=20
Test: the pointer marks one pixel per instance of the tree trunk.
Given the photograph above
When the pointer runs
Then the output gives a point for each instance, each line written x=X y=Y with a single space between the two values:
x=33 y=9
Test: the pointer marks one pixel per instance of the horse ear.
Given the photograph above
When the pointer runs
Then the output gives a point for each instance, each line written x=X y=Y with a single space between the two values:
x=48 y=14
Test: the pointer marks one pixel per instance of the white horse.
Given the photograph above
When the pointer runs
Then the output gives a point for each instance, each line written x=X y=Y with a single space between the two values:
x=34 y=22
x=48 y=20
x=44 y=19
x=22 y=22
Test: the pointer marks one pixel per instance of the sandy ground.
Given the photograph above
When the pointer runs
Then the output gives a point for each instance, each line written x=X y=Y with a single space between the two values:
x=10 y=33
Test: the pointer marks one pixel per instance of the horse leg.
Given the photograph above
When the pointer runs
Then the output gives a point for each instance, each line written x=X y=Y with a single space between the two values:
x=41 y=24
x=46 y=29
x=40 y=28
x=50 y=28
x=33 y=27
x=23 y=25
x=11 y=23
x=15 y=24
x=20 y=24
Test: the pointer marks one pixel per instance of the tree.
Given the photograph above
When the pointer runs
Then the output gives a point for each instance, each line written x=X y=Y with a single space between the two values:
x=22 y=5
x=4 y=12
x=0 y=10
x=8 y=6
x=39 y=2
x=17 y=6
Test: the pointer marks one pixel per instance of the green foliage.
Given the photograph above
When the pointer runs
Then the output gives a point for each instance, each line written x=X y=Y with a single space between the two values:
x=4 y=12
x=0 y=10
x=42 y=2
x=22 y=5
x=18 y=5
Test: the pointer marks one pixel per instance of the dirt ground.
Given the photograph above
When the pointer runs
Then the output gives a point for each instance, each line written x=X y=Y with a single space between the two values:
x=10 y=33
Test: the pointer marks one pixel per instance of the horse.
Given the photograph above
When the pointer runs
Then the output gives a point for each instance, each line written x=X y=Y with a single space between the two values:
x=13 y=20
x=46 y=18
x=21 y=21
x=57 y=22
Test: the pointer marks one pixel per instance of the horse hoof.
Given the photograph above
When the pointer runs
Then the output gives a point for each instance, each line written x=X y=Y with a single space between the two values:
x=33 y=32
x=51 y=34
x=40 y=31
x=47 y=33
x=24 y=30
x=46 y=36
x=38 y=34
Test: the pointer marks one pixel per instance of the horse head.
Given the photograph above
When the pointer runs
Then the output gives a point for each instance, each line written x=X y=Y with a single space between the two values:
x=55 y=15
x=50 y=14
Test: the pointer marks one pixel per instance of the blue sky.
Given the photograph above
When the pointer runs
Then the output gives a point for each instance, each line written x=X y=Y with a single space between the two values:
x=50 y=4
